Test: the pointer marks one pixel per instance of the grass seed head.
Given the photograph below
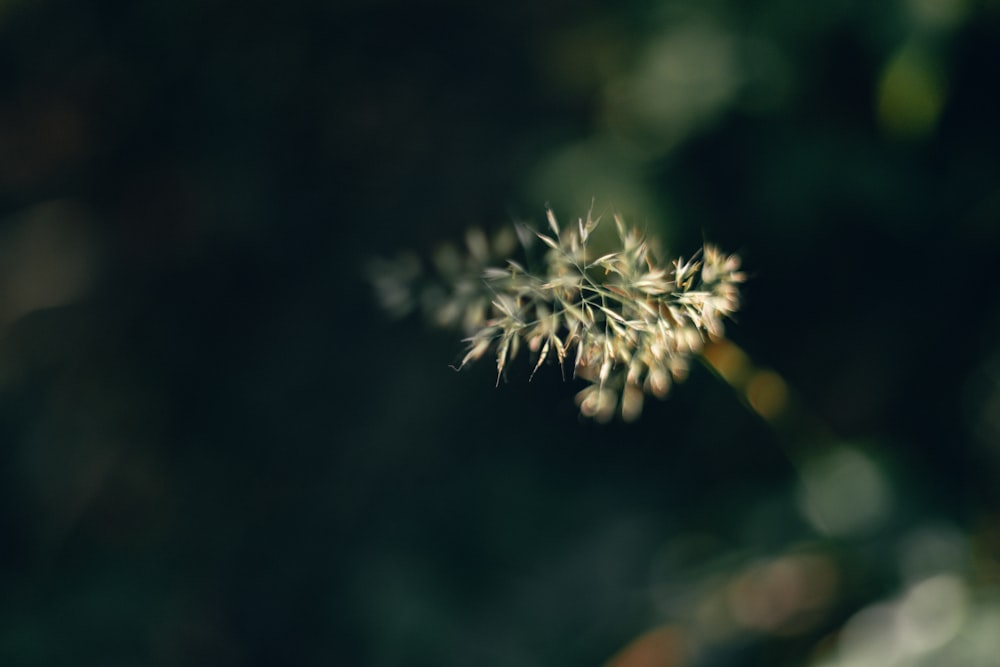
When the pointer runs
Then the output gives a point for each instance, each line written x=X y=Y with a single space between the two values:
x=634 y=320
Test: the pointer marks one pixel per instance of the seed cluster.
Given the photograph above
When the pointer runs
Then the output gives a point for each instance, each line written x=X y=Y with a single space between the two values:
x=628 y=325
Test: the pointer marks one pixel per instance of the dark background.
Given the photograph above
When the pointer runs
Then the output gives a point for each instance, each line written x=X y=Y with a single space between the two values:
x=216 y=450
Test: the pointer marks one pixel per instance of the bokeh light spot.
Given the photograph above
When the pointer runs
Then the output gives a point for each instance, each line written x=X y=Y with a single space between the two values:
x=938 y=14
x=767 y=394
x=844 y=493
x=911 y=94
x=931 y=613
x=729 y=361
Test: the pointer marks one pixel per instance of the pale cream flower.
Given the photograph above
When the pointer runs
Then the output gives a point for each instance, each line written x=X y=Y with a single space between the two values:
x=634 y=322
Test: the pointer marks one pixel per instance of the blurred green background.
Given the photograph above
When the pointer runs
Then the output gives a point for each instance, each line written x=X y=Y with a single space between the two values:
x=215 y=450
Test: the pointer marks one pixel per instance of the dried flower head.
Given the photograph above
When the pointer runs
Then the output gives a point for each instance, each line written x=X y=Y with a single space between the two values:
x=627 y=324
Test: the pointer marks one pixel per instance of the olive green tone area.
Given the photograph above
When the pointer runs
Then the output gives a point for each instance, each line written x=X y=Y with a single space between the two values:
x=214 y=449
